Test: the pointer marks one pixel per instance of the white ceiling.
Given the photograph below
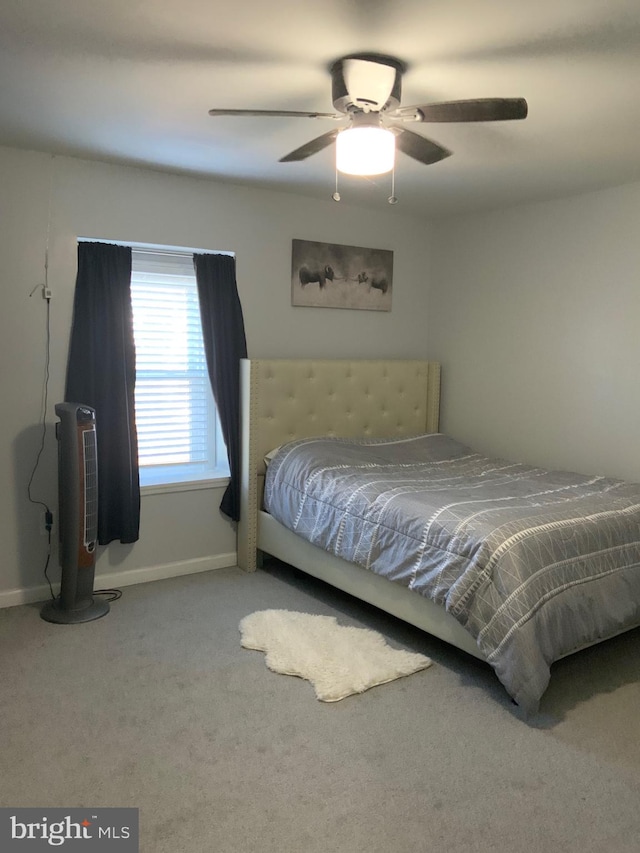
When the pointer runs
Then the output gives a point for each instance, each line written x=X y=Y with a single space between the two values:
x=132 y=81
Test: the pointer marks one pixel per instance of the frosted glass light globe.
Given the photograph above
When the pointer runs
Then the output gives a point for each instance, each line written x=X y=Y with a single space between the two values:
x=365 y=151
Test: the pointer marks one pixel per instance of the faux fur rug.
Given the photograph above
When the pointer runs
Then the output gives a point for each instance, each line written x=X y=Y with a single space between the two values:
x=338 y=660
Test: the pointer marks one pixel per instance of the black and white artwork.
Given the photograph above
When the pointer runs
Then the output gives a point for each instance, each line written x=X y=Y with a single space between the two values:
x=328 y=275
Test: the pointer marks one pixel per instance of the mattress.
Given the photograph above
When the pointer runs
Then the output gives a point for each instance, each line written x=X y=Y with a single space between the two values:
x=533 y=563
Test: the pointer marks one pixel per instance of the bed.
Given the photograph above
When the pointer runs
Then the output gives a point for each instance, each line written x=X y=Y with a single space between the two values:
x=385 y=407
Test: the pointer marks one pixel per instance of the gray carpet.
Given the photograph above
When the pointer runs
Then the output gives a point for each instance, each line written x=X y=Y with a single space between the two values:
x=157 y=706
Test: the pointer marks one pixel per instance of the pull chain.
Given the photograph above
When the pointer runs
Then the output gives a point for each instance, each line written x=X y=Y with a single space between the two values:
x=392 y=198
x=336 y=195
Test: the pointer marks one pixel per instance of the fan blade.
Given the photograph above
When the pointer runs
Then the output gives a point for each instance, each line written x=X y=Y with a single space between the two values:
x=418 y=147
x=310 y=148
x=282 y=113
x=478 y=109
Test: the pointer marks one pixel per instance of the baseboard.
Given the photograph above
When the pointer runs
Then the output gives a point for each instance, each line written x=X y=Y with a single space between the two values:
x=30 y=595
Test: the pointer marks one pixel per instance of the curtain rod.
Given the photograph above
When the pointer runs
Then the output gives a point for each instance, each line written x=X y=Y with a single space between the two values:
x=152 y=248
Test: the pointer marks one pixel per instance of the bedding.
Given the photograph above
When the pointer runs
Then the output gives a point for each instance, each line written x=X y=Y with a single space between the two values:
x=533 y=563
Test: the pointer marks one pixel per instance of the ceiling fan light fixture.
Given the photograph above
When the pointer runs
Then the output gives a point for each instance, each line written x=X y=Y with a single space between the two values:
x=365 y=151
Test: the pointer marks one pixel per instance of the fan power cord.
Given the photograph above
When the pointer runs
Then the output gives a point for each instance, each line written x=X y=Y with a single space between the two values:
x=114 y=594
x=48 y=515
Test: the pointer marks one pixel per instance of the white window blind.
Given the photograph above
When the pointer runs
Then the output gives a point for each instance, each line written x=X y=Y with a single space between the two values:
x=178 y=434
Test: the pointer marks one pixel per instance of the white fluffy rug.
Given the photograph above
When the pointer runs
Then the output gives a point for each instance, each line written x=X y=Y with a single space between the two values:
x=338 y=660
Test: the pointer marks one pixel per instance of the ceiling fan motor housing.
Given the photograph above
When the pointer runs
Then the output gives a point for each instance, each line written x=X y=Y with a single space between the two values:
x=368 y=82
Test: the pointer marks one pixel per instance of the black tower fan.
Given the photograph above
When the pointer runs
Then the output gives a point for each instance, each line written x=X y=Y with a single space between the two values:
x=77 y=516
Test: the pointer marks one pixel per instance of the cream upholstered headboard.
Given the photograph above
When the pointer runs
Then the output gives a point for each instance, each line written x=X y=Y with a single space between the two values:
x=283 y=400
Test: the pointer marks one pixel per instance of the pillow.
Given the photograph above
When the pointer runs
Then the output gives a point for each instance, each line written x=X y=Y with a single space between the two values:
x=269 y=456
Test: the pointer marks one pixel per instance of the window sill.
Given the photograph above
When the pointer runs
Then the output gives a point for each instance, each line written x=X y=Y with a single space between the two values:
x=185 y=486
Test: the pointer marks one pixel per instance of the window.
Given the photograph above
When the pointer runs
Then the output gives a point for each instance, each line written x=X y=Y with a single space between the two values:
x=179 y=438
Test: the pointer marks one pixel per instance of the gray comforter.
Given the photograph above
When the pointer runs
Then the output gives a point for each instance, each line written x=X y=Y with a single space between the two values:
x=533 y=563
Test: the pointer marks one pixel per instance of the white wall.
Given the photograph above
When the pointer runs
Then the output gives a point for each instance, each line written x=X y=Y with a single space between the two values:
x=67 y=198
x=535 y=315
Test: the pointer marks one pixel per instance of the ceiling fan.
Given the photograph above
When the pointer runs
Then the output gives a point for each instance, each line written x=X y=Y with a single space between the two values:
x=366 y=90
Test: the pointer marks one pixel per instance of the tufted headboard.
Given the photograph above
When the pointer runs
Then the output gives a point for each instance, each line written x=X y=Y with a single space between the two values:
x=283 y=400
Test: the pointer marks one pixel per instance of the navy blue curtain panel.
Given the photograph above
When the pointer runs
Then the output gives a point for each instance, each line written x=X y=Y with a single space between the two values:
x=225 y=344
x=101 y=373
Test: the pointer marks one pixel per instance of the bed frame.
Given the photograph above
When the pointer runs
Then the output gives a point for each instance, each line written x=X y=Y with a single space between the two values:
x=283 y=400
